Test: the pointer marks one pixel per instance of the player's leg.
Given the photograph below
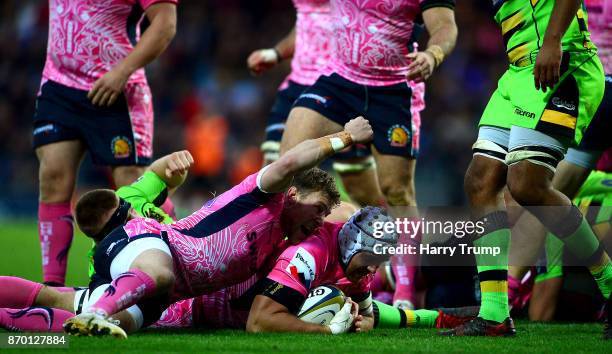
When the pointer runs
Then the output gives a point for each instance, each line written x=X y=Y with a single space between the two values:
x=140 y=269
x=396 y=179
x=58 y=168
x=305 y=123
x=395 y=148
x=288 y=92
x=484 y=183
x=530 y=183
x=359 y=178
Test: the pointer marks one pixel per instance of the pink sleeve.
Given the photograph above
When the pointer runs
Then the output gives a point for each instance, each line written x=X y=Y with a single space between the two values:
x=146 y=3
x=297 y=268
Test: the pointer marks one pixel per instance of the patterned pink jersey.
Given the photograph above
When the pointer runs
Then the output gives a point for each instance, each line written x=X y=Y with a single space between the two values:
x=600 y=26
x=315 y=262
x=87 y=38
x=313 y=33
x=226 y=242
x=221 y=309
x=372 y=37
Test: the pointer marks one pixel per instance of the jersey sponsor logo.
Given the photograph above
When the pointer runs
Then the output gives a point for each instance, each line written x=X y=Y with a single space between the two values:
x=44 y=129
x=398 y=135
x=302 y=267
x=319 y=99
x=112 y=245
x=521 y=112
x=561 y=103
x=121 y=147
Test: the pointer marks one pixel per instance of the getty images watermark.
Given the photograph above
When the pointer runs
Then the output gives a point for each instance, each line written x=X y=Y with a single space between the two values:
x=411 y=227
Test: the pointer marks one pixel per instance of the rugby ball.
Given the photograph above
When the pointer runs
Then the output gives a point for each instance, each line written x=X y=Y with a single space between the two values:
x=321 y=305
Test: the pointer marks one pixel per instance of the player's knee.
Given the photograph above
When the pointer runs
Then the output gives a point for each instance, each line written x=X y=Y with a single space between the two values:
x=398 y=194
x=164 y=279
x=525 y=188
x=55 y=183
x=483 y=180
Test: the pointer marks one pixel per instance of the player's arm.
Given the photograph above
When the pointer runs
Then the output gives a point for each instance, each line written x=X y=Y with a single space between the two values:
x=547 y=68
x=274 y=311
x=153 y=42
x=172 y=169
x=264 y=59
x=309 y=153
x=439 y=20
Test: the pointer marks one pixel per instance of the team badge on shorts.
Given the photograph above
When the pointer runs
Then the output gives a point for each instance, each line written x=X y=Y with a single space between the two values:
x=398 y=135
x=121 y=147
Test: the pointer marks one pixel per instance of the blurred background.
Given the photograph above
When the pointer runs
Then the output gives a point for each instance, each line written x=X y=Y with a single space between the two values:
x=206 y=101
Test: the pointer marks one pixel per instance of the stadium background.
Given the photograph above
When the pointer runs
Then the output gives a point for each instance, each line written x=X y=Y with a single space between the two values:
x=206 y=101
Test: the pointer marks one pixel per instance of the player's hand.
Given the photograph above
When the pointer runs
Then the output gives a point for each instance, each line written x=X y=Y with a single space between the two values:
x=364 y=323
x=343 y=320
x=547 y=68
x=360 y=130
x=107 y=88
x=262 y=60
x=178 y=163
x=421 y=67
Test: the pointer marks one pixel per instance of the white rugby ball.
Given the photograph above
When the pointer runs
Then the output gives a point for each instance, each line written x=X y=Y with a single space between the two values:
x=321 y=305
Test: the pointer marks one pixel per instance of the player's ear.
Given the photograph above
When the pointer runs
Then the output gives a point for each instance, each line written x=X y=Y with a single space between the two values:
x=292 y=194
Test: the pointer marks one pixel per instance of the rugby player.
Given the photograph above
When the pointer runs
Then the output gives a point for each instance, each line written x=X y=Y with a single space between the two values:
x=97 y=212
x=224 y=243
x=93 y=97
x=580 y=161
x=309 y=45
x=544 y=103
x=369 y=70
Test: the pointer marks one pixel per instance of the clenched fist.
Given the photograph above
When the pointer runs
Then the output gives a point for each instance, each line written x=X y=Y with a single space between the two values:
x=360 y=130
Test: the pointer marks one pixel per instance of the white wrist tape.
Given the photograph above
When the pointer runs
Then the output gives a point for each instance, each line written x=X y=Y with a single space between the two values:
x=269 y=55
x=337 y=144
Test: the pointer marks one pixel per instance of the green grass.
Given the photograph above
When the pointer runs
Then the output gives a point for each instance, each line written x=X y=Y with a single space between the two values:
x=20 y=255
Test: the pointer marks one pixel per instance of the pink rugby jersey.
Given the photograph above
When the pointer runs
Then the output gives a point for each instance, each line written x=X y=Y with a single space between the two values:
x=599 y=14
x=221 y=309
x=371 y=38
x=315 y=262
x=313 y=33
x=226 y=242
x=87 y=38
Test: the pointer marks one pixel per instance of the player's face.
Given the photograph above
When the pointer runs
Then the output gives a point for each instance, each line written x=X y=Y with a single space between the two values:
x=361 y=265
x=305 y=215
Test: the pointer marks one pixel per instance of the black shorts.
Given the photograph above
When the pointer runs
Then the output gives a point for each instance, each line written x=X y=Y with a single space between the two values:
x=106 y=251
x=388 y=108
x=64 y=113
x=597 y=135
x=280 y=110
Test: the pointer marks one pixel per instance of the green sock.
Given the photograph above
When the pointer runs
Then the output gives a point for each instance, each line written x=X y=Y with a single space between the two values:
x=386 y=316
x=493 y=269
x=585 y=245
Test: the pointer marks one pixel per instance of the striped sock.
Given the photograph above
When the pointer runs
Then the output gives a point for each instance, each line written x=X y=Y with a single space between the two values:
x=579 y=238
x=493 y=270
x=386 y=316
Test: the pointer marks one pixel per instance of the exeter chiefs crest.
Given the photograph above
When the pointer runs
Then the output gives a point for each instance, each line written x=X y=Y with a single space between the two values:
x=398 y=135
x=121 y=147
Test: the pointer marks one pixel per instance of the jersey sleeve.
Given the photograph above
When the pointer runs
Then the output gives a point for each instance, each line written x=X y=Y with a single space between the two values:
x=146 y=3
x=146 y=195
x=428 y=4
x=296 y=268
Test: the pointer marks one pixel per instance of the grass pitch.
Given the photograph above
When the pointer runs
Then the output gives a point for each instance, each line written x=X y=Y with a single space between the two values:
x=20 y=256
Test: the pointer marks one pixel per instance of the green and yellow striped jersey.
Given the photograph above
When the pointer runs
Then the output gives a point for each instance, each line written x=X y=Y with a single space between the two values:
x=523 y=24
